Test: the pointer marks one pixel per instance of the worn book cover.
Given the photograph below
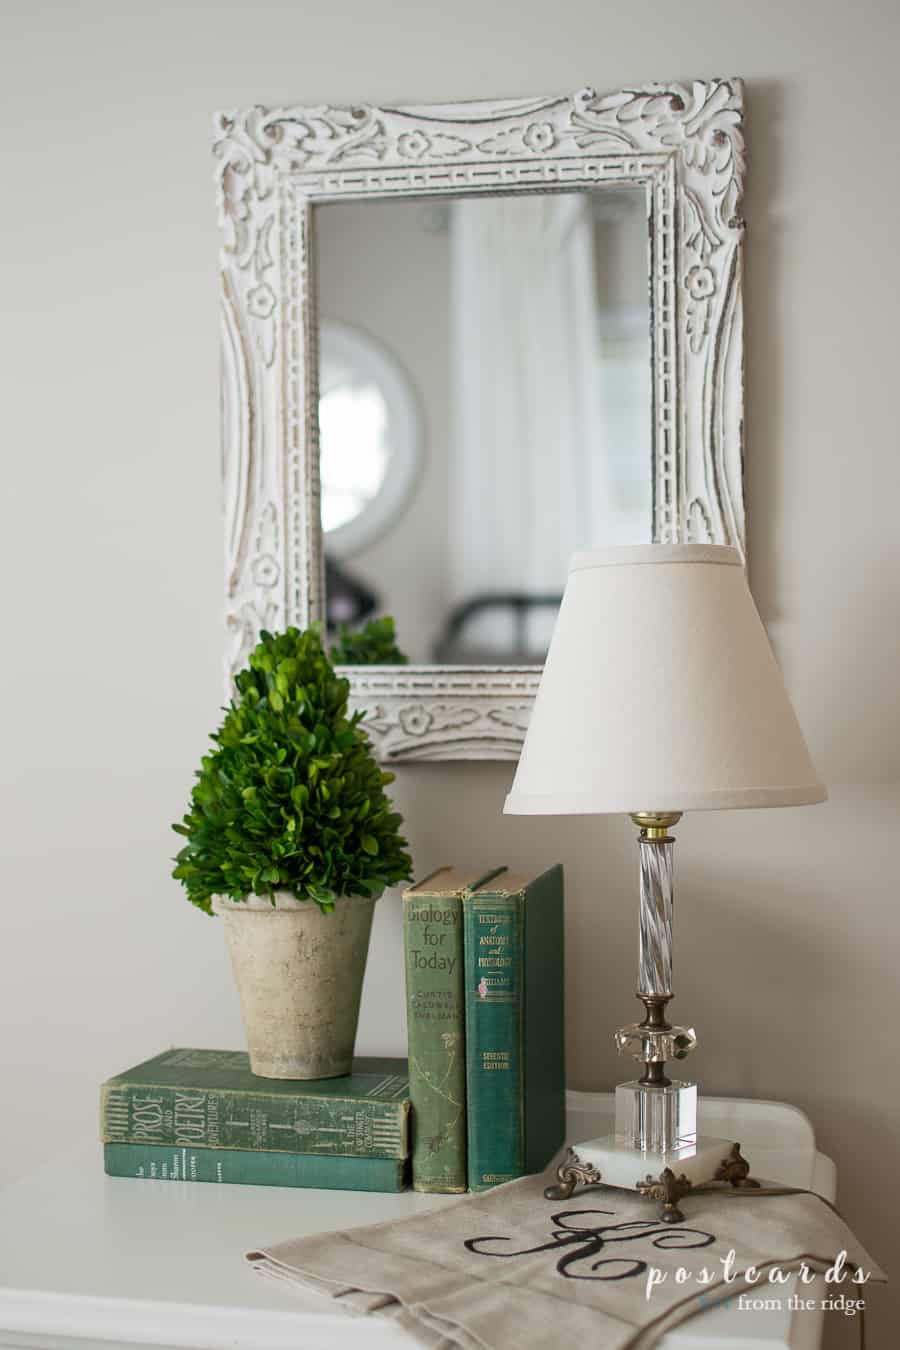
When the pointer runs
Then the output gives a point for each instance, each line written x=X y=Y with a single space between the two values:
x=433 y=952
x=210 y=1099
x=248 y=1167
x=515 y=1036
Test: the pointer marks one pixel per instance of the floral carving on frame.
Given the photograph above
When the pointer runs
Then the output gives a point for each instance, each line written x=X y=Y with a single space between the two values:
x=682 y=141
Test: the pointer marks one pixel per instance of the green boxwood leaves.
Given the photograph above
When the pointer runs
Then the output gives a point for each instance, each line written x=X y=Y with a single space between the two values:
x=291 y=796
x=373 y=645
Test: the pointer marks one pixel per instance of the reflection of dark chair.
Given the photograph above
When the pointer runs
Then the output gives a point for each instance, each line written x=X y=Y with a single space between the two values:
x=347 y=600
x=453 y=647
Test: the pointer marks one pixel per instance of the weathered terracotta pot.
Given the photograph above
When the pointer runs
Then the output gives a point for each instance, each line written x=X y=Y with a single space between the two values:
x=299 y=974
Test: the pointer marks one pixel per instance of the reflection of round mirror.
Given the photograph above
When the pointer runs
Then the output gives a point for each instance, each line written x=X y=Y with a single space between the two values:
x=370 y=438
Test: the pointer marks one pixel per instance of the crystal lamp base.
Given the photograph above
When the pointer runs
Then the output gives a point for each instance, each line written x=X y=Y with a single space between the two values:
x=656 y=1117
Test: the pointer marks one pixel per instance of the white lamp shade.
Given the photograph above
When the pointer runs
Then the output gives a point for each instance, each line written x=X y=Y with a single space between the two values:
x=660 y=693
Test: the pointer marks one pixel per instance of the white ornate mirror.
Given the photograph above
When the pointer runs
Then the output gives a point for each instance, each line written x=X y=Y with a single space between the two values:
x=459 y=343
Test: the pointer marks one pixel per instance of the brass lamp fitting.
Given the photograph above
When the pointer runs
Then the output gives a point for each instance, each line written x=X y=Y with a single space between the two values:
x=655 y=825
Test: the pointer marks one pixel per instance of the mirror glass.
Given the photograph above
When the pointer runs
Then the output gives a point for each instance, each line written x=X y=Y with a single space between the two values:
x=485 y=410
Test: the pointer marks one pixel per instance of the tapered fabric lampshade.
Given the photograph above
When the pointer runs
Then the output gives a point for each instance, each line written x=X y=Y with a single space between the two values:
x=660 y=693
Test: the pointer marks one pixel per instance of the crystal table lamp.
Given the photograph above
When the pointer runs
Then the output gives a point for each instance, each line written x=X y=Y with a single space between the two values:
x=660 y=694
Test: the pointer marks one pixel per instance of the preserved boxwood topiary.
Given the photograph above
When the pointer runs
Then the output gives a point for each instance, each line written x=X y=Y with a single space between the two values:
x=291 y=797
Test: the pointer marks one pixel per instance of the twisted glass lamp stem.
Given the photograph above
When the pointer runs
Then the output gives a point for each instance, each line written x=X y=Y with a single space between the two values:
x=656 y=1112
x=655 y=950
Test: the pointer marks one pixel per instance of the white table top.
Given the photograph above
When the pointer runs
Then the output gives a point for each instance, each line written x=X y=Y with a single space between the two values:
x=115 y=1262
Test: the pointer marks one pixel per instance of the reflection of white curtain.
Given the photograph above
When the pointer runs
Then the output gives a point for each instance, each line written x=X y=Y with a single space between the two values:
x=524 y=483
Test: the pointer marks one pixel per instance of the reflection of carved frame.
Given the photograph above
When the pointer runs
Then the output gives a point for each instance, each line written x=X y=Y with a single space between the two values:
x=682 y=142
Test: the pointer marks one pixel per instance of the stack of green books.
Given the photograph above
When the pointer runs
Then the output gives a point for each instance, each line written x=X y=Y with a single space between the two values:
x=485 y=989
x=201 y=1115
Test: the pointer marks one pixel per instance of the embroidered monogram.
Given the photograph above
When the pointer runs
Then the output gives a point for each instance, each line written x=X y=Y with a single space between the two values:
x=582 y=1242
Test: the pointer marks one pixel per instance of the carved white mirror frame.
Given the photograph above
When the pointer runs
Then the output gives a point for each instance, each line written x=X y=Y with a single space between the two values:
x=682 y=142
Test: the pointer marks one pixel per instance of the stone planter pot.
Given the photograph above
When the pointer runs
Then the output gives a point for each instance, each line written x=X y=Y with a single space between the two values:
x=299 y=974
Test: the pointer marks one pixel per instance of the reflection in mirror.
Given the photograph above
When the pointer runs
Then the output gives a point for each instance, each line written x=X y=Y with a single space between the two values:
x=485 y=410
x=370 y=437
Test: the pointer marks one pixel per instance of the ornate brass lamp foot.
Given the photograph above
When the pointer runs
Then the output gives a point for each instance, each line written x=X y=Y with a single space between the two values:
x=735 y=1169
x=572 y=1172
x=666 y=1190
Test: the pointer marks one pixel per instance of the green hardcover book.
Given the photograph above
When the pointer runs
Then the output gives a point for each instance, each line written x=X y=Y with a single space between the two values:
x=210 y=1099
x=249 y=1167
x=435 y=1012
x=515 y=1036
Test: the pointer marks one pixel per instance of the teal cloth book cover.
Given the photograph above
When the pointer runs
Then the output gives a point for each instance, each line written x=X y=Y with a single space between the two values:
x=210 y=1099
x=246 y=1167
x=515 y=1034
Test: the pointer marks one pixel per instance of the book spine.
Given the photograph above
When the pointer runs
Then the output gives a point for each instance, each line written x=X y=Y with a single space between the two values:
x=245 y=1167
x=494 y=1052
x=543 y=1003
x=433 y=949
x=134 y=1113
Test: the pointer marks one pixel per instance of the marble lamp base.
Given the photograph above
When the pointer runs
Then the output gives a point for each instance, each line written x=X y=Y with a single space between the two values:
x=664 y=1176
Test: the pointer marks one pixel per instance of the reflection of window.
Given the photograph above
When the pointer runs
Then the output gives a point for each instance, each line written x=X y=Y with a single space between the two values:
x=369 y=437
x=354 y=457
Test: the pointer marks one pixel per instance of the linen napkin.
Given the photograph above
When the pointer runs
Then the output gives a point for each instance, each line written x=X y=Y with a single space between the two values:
x=508 y=1268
